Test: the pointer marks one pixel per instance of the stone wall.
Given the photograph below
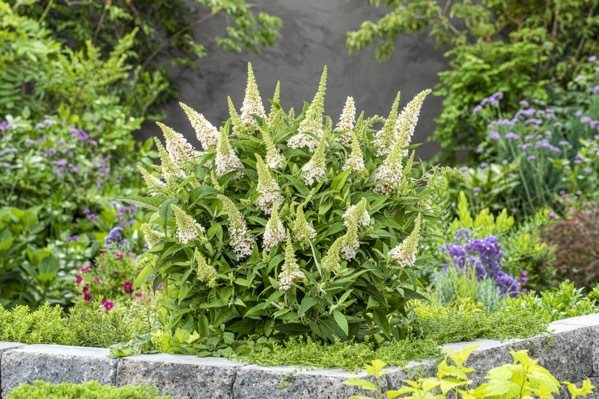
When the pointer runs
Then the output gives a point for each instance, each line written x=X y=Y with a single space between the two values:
x=313 y=35
x=570 y=352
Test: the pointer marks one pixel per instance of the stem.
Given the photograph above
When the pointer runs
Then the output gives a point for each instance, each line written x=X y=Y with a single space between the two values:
x=46 y=10
x=174 y=36
x=100 y=23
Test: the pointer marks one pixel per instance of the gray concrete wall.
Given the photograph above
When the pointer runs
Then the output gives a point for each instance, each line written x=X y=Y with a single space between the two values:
x=313 y=35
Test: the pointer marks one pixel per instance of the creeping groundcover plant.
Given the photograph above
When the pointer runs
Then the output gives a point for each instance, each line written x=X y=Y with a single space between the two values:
x=286 y=224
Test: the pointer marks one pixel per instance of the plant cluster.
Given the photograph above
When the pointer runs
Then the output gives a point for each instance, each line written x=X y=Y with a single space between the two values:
x=57 y=202
x=154 y=31
x=522 y=378
x=576 y=242
x=559 y=303
x=539 y=152
x=81 y=325
x=110 y=279
x=518 y=48
x=87 y=390
x=287 y=224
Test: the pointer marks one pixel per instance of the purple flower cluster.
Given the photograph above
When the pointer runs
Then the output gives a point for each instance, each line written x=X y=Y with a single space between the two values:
x=115 y=238
x=483 y=258
x=492 y=100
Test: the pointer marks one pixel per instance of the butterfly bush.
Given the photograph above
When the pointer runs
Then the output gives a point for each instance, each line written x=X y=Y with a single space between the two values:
x=285 y=225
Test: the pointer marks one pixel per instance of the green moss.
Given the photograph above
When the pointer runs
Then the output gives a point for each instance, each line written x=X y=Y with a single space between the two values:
x=88 y=390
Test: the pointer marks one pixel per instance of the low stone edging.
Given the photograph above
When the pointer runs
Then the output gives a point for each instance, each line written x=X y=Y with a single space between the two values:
x=571 y=353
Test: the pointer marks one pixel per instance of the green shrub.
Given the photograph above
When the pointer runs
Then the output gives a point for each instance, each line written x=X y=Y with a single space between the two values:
x=87 y=390
x=523 y=378
x=513 y=47
x=288 y=226
x=165 y=36
x=80 y=326
x=559 y=303
x=39 y=74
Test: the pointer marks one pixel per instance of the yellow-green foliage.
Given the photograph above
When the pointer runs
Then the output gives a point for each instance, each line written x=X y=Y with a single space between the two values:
x=88 y=390
x=523 y=378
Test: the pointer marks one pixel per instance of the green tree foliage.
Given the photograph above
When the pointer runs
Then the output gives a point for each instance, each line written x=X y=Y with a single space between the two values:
x=493 y=45
x=166 y=29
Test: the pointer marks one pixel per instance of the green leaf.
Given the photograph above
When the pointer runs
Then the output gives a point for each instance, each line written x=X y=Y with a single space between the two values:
x=341 y=321
x=307 y=303
x=48 y=269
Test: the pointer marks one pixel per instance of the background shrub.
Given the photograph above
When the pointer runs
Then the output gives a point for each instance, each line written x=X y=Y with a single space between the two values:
x=576 y=241
x=493 y=45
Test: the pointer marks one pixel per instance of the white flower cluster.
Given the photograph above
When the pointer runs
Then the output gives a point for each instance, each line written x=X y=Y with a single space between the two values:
x=290 y=271
x=350 y=242
x=239 y=237
x=302 y=140
x=347 y=121
x=226 y=160
x=387 y=179
x=177 y=146
x=170 y=169
x=206 y=133
x=357 y=214
x=252 y=102
x=151 y=236
x=405 y=253
x=408 y=118
x=154 y=184
x=270 y=197
x=187 y=227
x=204 y=272
x=274 y=233
x=313 y=173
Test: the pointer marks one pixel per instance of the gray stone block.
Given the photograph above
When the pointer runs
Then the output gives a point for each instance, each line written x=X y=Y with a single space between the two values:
x=4 y=346
x=55 y=364
x=184 y=377
x=254 y=382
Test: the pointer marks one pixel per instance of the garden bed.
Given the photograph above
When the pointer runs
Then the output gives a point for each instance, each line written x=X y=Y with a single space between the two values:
x=570 y=352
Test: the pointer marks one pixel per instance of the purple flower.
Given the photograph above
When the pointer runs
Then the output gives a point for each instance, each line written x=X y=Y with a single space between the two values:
x=592 y=58
x=523 y=277
x=87 y=297
x=511 y=175
x=72 y=238
x=127 y=286
x=579 y=78
x=480 y=150
x=596 y=89
x=484 y=165
x=97 y=280
x=578 y=114
x=114 y=236
x=524 y=103
x=511 y=136
x=551 y=214
x=49 y=122
x=588 y=169
x=531 y=157
x=495 y=135
x=86 y=268
x=586 y=119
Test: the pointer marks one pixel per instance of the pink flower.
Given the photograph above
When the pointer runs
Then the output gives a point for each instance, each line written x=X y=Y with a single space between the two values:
x=86 y=268
x=119 y=256
x=97 y=280
x=138 y=295
x=79 y=279
x=160 y=287
x=86 y=296
x=103 y=251
x=127 y=286
x=107 y=304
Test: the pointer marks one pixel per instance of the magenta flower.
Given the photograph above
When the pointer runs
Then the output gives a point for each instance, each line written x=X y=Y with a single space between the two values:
x=119 y=256
x=87 y=297
x=107 y=304
x=79 y=279
x=86 y=268
x=97 y=280
x=138 y=295
x=127 y=286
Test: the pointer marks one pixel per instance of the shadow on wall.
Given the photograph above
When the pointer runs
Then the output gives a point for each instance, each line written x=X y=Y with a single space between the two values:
x=313 y=35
